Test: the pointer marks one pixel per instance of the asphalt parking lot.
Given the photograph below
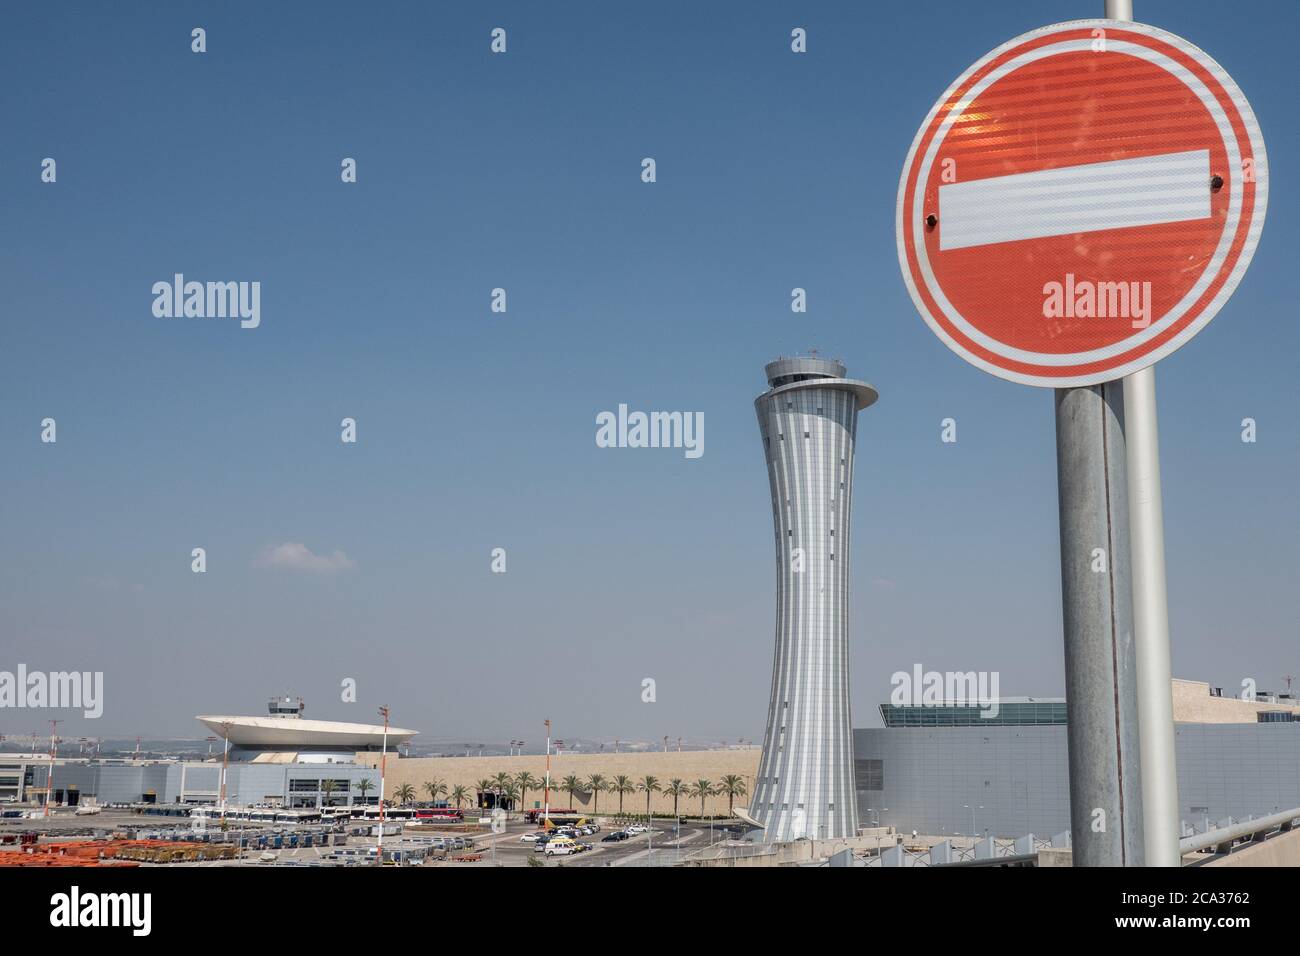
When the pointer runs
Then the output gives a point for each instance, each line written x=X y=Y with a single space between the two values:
x=663 y=847
x=666 y=846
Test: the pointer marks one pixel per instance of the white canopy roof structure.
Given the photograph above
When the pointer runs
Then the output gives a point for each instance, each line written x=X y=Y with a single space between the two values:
x=287 y=733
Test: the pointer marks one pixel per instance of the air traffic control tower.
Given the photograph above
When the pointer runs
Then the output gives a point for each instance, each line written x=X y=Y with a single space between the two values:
x=808 y=420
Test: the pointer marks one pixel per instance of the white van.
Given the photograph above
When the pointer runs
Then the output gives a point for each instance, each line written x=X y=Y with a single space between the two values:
x=560 y=846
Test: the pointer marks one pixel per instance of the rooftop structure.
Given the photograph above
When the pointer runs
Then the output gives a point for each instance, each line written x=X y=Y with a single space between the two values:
x=285 y=731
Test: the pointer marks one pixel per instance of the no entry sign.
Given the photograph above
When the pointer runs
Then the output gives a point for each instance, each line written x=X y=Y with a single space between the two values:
x=1081 y=202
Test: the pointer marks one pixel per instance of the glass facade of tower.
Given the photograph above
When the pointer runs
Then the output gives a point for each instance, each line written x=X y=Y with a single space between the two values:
x=1030 y=713
x=808 y=424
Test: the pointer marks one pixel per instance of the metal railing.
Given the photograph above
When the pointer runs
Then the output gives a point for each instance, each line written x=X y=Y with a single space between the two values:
x=1223 y=838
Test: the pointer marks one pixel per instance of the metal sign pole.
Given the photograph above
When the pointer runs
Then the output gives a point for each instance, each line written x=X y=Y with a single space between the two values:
x=1151 y=623
x=1097 y=609
x=1150 y=604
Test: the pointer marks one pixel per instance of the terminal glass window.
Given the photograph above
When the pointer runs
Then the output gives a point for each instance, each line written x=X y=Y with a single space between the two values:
x=1009 y=713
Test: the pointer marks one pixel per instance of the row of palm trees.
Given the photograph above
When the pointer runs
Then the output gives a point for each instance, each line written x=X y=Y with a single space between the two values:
x=513 y=789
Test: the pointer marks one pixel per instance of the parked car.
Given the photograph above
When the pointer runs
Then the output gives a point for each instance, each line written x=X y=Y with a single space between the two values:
x=531 y=837
x=636 y=828
x=614 y=837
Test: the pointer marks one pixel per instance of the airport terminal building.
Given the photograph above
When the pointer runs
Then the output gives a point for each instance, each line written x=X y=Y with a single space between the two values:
x=948 y=770
x=281 y=759
x=79 y=781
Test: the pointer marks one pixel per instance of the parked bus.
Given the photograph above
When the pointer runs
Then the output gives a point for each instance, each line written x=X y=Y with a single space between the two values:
x=212 y=815
x=390 y=813
x=557 y=817
x=440 y=814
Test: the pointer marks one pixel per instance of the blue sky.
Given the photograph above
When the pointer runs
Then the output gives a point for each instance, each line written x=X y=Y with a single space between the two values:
x=476 y=430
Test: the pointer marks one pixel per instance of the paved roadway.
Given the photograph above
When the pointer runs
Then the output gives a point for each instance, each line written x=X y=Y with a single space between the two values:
x=663 y=848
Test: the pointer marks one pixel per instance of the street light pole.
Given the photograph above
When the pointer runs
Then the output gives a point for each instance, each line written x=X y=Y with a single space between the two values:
x=383 y=766
x=49 y=777
x=225 y=762
x=546 y=790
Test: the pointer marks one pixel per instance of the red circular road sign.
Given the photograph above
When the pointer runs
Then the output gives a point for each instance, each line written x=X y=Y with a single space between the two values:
x=1081 y=202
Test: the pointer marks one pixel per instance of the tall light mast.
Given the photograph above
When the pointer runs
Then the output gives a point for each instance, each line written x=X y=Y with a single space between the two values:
x=49 y=777
x=225 y=762
x=383 y=766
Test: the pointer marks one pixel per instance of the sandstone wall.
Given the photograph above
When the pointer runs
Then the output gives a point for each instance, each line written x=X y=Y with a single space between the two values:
x=689 y=766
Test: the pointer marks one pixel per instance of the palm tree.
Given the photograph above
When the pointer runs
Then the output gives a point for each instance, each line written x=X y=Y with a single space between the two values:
x=595 y=783
x=571 y=785
x=525 y=781
x=622 y=784
x=459 y=793
x=502 y=779
x=648 y=785
x=702 y=789
x=509 y=795
x=434 y=788
x=327 y=790
x=731 y=787
x=365 y=785
x=404 y=793
x=676 y=789
x=483 y=786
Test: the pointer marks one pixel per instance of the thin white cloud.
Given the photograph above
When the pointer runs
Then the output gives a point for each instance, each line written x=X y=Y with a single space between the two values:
x=296 y=556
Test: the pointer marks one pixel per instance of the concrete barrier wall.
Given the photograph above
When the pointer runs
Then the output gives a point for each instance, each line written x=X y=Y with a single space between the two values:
x=1281 y=850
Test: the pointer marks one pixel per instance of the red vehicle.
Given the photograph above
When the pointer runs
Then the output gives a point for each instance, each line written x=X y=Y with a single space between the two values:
x=442 y=814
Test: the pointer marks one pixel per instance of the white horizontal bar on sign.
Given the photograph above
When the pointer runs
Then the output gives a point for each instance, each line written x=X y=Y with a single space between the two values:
x=1146 y=191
